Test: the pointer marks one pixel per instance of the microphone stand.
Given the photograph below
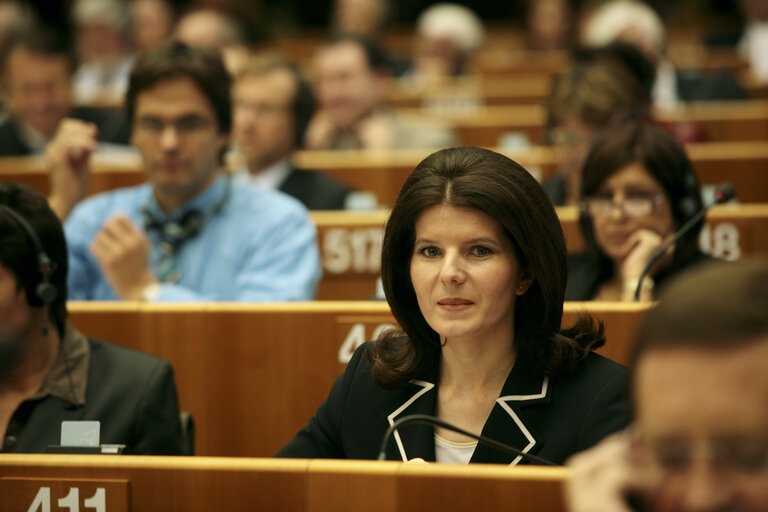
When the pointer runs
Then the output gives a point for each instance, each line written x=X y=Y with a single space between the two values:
x=426 y=419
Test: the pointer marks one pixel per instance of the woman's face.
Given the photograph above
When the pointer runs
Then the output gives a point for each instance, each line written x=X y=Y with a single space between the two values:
x=631 y=199
x=465 y=274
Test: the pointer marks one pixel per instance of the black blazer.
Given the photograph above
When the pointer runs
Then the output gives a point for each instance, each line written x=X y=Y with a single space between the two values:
x=316 y=190
x=552 y=419
x=111 y=125
x=132 y=394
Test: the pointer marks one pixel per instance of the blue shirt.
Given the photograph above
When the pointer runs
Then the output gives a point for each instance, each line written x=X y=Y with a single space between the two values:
x=260 y=246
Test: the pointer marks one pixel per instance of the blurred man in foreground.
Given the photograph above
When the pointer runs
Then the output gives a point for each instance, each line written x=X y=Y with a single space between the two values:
x=700 y=389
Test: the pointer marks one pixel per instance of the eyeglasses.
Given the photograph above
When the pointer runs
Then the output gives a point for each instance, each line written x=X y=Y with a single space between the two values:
x=636 y=204
x=187 y=125
x=739 y=455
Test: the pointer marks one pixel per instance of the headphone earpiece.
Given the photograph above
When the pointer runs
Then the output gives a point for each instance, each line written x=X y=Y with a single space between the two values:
x=689 y=204
x=45 y=291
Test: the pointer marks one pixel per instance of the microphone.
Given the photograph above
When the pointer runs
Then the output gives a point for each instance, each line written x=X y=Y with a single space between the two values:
x=431 y=420
x=724 y=193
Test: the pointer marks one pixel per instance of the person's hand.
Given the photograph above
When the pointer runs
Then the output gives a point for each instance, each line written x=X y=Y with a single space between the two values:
x=603 y=477
x=122 y=252
x=637 y=250
x=416 y=460
x=376 y=131
x=68 y=157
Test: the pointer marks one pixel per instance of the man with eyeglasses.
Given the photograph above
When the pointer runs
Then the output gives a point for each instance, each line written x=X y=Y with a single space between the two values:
x=187 y=234
x=273 y=104
x=700 y=391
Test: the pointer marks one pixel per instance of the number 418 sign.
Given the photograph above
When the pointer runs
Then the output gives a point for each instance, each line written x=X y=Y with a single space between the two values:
x=44 y=495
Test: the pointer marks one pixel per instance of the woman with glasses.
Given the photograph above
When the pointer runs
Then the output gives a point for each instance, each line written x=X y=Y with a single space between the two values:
x=638 y=188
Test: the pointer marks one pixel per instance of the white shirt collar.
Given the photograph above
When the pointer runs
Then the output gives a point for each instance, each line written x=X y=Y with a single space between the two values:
x=269 y=178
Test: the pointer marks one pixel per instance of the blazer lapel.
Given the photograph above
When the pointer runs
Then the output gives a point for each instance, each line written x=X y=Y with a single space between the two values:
x=507 y=422
x=414 y=440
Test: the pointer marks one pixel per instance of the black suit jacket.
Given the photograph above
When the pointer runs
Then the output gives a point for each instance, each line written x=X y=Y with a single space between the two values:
x=316 y=190
x=552 y=419
x=110 y=122
x=132 y=394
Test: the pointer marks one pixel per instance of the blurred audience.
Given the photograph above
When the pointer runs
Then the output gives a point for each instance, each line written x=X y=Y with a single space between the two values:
x=699 y=390
x=753 y=45
x=186 y=234
x=215 y=29
x=103 y=52
x=594 y=94
x=273 y=105
x=152 y=22
x=638 y=188
x=13 y=17
x=37 y=69
x=550 y=24
x=366 y=18
x=446 y=37
x=635 y=22
x=352 y=82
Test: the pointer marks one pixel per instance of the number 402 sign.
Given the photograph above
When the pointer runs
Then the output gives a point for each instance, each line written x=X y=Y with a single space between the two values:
x=44 y=495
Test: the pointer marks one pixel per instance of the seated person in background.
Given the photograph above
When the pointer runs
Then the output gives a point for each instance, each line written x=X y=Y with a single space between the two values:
x=446 y=37
x=700 y=436
x=49 y=372
x=367 y=18
x=37 y=68
x=273 y=104
x=352 y=82
x=214 y=29
x=474 y=267
x=151 y=23
x=103 y=53
x=635 y=22
x=187 y=234
x=593 y=95
x=638 y=188
x=550 y=24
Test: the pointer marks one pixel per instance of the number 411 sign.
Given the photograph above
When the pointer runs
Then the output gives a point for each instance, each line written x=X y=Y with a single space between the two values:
x=63 y=495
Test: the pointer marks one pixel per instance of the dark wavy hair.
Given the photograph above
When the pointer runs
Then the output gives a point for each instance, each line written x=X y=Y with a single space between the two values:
x=497 y=186
x=18 y=253
x=665 y=160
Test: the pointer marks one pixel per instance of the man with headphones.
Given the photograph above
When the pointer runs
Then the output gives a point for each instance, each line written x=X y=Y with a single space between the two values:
x=189 y=233
x=50 y=372
x=273 y=104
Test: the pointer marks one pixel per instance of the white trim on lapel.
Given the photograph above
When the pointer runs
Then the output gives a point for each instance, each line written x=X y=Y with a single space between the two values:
x=426 y=386
x=520 y=398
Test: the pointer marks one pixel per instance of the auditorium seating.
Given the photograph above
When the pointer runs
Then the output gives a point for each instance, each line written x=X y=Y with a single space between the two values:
x=252 y=374
x=350 y=243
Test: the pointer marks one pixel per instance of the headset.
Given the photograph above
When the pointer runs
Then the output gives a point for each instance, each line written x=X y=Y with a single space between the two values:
x=45 y=291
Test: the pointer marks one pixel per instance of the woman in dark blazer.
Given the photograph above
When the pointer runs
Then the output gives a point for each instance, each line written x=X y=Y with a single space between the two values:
x=474 y=270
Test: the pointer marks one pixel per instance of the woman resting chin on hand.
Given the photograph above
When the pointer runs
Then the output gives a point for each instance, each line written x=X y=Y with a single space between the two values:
x=638 y=188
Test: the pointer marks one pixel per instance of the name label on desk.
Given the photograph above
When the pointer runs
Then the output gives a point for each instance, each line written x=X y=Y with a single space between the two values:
x=59 y=495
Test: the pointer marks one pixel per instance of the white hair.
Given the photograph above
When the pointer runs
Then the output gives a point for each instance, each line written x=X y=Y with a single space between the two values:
x=609 y=21
x=455 y=22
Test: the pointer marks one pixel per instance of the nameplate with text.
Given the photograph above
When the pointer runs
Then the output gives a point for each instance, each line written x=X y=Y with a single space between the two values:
x=62 y=495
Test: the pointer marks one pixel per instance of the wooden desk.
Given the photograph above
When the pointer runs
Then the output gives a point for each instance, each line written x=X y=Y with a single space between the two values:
x=745 y=164
x=253 y=374
x=350 y=243
x=168 y=484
